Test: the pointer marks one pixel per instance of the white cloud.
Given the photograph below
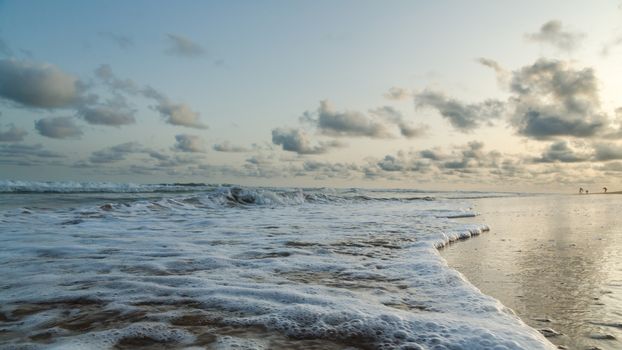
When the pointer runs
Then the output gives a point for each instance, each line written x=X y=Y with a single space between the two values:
x=189 y=143
x=36 y=84
x=58 y=128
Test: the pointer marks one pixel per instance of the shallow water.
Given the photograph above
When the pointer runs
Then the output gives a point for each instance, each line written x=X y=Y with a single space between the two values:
x=555 y=260
x=243 y=268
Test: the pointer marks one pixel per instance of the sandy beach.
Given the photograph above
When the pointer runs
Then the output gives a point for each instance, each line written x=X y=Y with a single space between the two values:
x=553 y=259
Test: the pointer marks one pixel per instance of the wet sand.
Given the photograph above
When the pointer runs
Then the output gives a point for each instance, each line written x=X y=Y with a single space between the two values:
x=556 y=260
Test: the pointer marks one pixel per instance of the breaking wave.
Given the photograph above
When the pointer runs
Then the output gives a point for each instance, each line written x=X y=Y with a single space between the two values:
x=12 y=186
x=224 y=267
x=231 y=195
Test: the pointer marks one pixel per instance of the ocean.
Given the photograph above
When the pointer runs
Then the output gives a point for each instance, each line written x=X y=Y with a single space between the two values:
x=195 y=266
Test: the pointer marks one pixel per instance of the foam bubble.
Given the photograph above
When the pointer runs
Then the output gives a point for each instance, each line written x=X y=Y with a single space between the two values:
x=236 y=343
x=137 y=334
x=321 y=265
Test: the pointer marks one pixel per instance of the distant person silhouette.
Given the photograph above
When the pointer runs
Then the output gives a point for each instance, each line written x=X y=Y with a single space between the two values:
x=605 y=189
x=580 y=190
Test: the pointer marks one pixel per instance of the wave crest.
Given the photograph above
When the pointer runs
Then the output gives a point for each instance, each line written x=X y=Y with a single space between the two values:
x=13 y=186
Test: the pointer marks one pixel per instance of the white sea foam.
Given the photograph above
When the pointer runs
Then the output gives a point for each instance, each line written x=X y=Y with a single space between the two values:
x=11 y=186
x=156 y=332
x=346 y=267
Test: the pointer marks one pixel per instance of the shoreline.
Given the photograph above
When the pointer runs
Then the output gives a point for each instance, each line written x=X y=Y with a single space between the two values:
x=546 y=259
x=587 y=194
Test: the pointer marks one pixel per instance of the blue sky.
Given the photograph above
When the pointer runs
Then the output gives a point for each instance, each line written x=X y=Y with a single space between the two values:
x=410 y=96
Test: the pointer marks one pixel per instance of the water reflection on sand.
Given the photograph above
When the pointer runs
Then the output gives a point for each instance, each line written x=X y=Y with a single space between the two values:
x=555 y=260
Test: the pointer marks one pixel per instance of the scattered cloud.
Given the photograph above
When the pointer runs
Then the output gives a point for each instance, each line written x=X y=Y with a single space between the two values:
x=174 y=113
x=561 y=151
x=181 y=46
x=466 y=162
x=296 y=140
x=157 y=155
x=469 y=156
x=430 y=154
x=380 y=123
x=463 y=117
x=391 y=163
x=348 y=123
x=178 y=161
x=13 y=134
x=326 y=170
x=17 y=150
x=107 y=115
x=38 y=85
x=5 y=49
x=27 y=53
x=553 y=33
x=122 y=41
x=491 y=64
x=105 y=74
x=543 y=126
x=605 y=151
x=117 y=112
x=611 y=45
x=550 y=98
x=393 y=116
x=398 y=93
x=180 y=114
x=58 y=128
x=262 y=166
x=503 y=75
x=228 y=147
x=345 y=124
x=615 y=167
x=189 y=143
x=115 y=153
x=410 y=131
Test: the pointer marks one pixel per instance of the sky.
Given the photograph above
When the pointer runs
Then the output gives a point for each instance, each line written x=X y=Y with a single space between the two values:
x=484 y=95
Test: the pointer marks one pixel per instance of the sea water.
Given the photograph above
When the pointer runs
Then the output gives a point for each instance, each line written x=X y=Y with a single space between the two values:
x=100 y=266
